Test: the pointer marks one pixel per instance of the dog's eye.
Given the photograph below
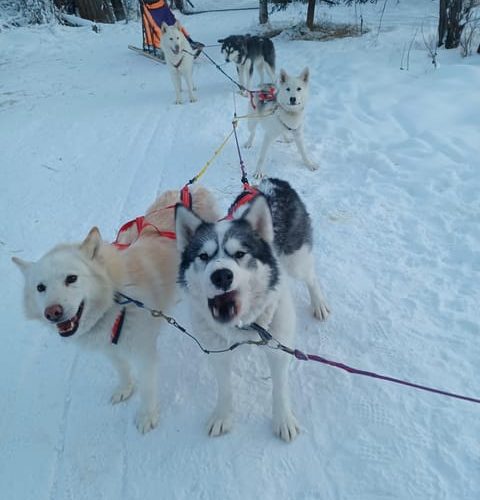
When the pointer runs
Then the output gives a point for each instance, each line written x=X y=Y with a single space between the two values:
x=239 y=254
x=41 y=287
x=299 y=88
x=288 y=89
x=71 y=278
x=203 y=256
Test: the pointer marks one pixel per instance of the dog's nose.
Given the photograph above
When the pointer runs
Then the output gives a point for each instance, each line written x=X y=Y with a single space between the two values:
x=222 y=278
x=54 y=313
x=293 y=100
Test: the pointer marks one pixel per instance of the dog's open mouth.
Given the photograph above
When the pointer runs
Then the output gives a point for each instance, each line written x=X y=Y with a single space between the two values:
x=176 y=50
x=70 y=326
x=224 y=307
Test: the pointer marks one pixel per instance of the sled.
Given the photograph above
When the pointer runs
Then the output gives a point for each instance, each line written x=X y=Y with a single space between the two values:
x=156 y=56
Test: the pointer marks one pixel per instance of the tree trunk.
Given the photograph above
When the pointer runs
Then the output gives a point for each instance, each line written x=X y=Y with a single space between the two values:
x=263 y=12
x=442 y=21
x=310 y=14
x=454 y=28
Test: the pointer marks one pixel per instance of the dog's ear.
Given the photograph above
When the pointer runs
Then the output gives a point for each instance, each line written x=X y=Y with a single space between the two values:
x=186 y=223
x=177 y=25
x=91 y=243
x=283 y=76
x=29 y=306
x=23 y=265
x=259 y=216
x=164 y=27
x=304 y=75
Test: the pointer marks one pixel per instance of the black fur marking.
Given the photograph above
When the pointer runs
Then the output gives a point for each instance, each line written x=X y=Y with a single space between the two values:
x=292 y=226
x=257 y=248
x=204 y=232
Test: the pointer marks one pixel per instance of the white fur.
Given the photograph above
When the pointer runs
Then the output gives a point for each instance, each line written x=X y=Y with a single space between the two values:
x=147 y=271
x=270 y=308
x=179 y=59
x=282 y=118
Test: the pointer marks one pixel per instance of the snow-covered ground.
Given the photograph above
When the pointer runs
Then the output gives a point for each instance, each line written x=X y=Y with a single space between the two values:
x=89 y=135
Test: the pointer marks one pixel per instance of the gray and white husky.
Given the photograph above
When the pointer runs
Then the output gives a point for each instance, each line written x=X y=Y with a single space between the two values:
x=234 y=274
x=248 y=52
x=284 y=116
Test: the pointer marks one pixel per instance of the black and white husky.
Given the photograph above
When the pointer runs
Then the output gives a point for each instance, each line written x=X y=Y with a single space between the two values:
x=284 y=116
x=247 y=52
x=233 y=272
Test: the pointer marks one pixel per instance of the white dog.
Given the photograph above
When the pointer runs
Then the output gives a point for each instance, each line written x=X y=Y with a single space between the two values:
x=179 y=57
x=280 y=117
x=233 y=273
x=72 y=288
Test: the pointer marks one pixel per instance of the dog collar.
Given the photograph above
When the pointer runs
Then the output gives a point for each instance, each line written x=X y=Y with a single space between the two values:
x=117 y=326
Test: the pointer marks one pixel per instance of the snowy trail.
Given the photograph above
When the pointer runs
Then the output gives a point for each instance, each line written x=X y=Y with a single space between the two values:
x=89 y=136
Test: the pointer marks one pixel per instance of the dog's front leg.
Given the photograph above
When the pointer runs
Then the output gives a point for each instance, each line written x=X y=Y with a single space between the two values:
x=147 y=416
x=177 y=83
x=252 y=128
x=190 y=87
x=267 y=140
x=299 y=141
x=221 y=420
x=125 y=387
x=285 y=425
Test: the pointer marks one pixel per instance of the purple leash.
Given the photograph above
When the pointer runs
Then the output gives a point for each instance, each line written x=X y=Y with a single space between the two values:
x=313 y=357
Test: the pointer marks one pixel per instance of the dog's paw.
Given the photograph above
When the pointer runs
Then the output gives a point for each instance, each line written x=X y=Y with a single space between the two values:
x=286 y=427
x=321 y=311
x=258 y=175
x=178 y=101
x=121 y=394
x=248 y=145
x=193 y=99
x=146 y=420
x=219 y=424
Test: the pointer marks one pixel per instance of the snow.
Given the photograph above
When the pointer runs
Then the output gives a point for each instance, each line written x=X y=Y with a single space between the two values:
x=90 y=135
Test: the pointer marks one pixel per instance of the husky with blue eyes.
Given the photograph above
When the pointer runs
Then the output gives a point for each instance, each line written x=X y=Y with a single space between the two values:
x=234 y=272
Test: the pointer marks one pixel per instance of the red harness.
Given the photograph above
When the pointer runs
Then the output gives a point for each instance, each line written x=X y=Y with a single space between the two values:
x=265 y=95
x=140 y=223
x=247 y=195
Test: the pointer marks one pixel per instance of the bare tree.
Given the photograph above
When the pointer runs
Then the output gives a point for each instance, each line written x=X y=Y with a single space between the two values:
x=453 y=15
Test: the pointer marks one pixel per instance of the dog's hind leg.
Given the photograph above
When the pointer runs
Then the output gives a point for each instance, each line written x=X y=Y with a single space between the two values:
x=125 y=386
x=147 y=416
x=221 y=420
x=301 y=265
